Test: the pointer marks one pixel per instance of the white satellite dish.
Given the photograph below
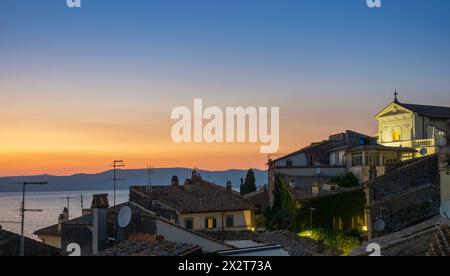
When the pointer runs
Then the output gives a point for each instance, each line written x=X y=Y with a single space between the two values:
x=318 y=171
x=124 y=217
x=423 y=151
x=380 y=225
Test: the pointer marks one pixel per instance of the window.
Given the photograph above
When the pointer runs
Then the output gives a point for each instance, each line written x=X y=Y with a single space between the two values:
x=357 y=159
x=396 y=134
x=364 y=141
x=229 y=221
x=336 y=158
x=210 y=223
x=338 y=224
x=289 y=163
x=373 y=159
x=189 y=223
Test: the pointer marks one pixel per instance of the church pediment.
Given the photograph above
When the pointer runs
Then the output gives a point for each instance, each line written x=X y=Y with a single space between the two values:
x=392 y=110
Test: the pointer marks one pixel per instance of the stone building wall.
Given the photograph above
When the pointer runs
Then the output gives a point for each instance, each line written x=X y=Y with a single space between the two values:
x=404 y=196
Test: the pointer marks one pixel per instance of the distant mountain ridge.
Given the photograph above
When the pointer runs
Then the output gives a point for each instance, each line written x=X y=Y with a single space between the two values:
x=132 y=177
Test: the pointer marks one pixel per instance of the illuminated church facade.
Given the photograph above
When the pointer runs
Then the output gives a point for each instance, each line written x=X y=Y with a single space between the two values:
x=412 y=126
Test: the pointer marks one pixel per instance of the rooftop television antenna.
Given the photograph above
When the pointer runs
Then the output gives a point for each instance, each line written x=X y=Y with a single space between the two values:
x=116 y=164
x=68 y=198
x=23 y=210
x=81 y=203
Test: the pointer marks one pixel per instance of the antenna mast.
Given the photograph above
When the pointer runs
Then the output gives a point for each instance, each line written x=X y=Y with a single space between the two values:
x=116 y=164
x=22 y=211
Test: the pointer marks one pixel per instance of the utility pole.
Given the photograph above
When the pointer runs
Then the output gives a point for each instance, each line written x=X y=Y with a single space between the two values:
x=23 y=210
x=116 y=164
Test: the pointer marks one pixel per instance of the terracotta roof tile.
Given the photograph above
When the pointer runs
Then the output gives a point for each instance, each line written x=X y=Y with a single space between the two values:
x=296 y=245
x=142 y=248
x=198 y=197
x=440 y=246
x=10 y=244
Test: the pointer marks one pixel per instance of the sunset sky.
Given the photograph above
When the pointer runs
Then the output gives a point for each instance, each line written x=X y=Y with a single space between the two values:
x=82 y=87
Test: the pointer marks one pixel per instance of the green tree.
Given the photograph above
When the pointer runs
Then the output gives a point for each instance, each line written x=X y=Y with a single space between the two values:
x=283 y=214
x=347 y=180
x=249 y=185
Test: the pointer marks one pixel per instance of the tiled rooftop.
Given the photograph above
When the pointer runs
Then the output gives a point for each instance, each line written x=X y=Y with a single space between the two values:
x=142 y=248
x=197 y=197
x=10 y=244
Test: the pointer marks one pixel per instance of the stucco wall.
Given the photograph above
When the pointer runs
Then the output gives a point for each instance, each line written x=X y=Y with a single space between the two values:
x=330 y=171
x=297 y=160
x=54 y=241
x=243 y=220
x=176 y=234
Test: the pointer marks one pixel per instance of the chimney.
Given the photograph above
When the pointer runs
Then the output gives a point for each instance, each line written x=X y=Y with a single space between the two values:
x=175 y=181
x=315 y=189
x=66 y=214
x=99 y=207
x=229 y=186
x=60 y=222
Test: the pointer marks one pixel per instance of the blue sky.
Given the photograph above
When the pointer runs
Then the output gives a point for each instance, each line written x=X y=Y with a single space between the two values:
x=329 y=64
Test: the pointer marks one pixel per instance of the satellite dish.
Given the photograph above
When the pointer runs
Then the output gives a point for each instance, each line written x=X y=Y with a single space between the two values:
x=423 y=151
x=124 y=217
x=318 y=171
x=380 y=225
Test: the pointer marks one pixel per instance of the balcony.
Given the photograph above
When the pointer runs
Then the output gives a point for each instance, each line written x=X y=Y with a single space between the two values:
x=424 y=143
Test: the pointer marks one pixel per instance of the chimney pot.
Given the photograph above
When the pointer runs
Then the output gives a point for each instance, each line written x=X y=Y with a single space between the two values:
x=66 y=214
x=175 y=181
x=229 y=186
x=60 y=221
x=100 y=201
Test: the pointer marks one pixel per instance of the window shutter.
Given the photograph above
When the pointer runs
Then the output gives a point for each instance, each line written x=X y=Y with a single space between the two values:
x=214 y=223
x=206 y=223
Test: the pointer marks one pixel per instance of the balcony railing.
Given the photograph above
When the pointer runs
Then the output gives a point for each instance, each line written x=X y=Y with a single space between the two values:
x=424 y=143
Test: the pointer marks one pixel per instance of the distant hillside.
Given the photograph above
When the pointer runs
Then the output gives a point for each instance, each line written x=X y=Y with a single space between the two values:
x=102 y=181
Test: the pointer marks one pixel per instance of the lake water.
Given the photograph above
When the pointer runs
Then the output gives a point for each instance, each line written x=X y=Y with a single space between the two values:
x=51 y=204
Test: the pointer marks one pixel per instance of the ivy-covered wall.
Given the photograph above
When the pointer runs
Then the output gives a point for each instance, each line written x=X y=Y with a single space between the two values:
x=341 y=210
x=346 y=209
